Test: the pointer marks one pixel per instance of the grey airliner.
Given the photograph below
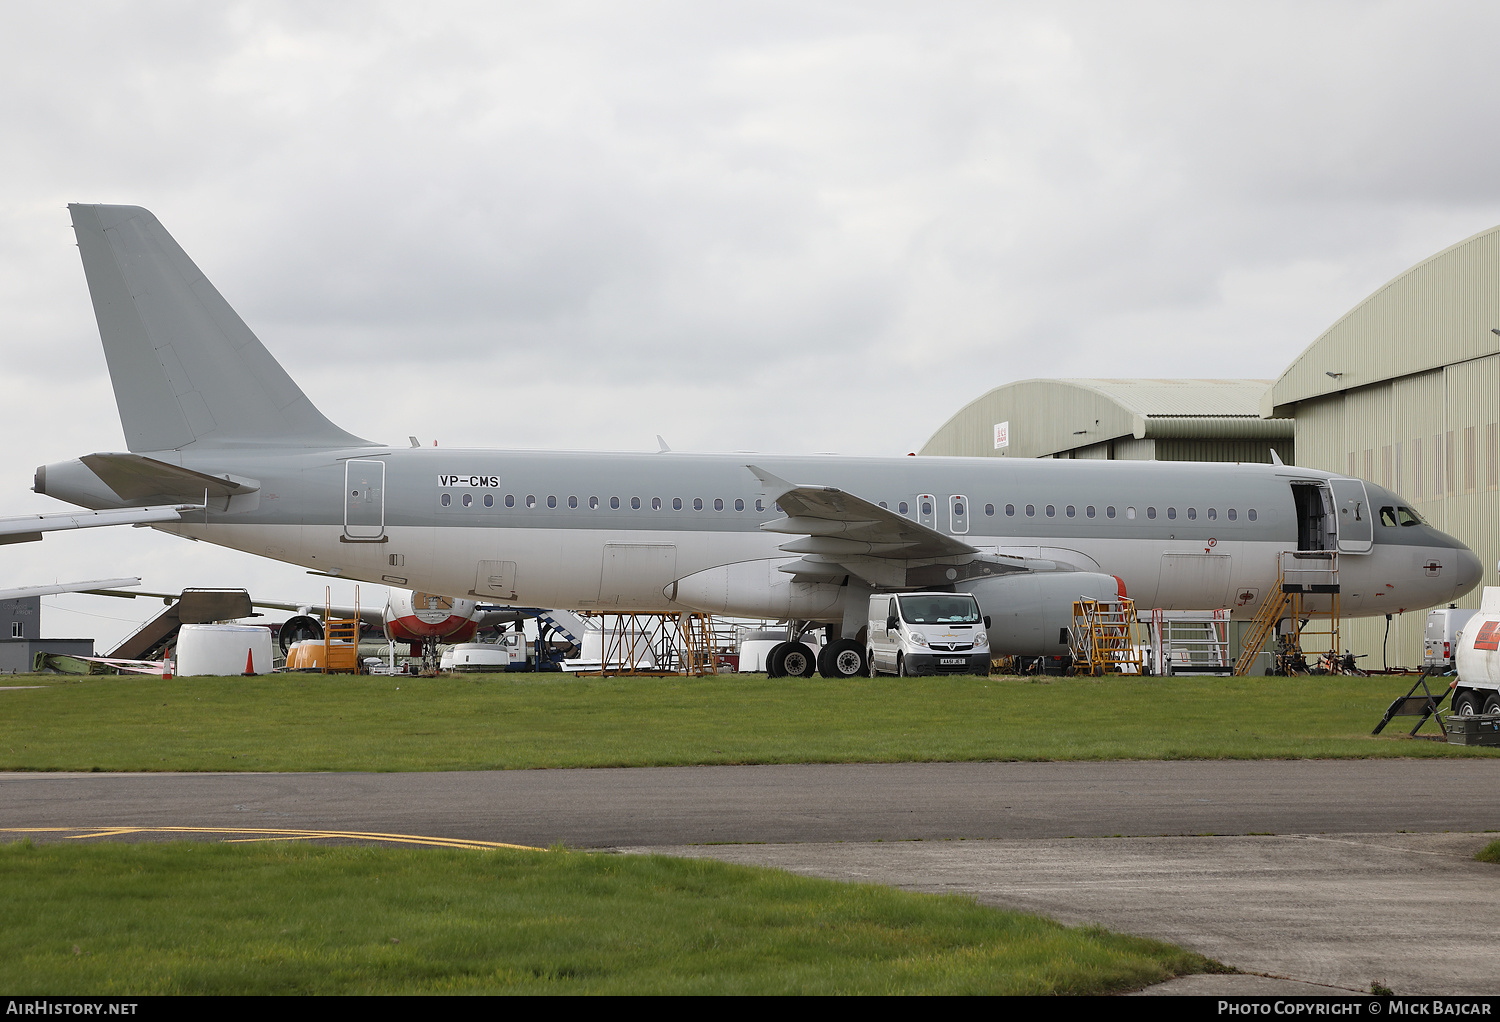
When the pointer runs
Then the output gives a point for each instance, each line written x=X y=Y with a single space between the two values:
x=225 y=448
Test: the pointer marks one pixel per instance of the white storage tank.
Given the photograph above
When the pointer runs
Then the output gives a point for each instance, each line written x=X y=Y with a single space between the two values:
x=222 y=650
x=1477 y=656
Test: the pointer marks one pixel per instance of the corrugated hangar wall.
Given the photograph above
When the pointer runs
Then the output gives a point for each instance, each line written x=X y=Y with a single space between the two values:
x=1405 y=391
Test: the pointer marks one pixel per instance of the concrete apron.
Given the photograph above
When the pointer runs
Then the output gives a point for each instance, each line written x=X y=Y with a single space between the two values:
x=1311 y=914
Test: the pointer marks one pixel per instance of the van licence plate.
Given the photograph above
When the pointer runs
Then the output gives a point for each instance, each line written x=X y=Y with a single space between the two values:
x=951 y=660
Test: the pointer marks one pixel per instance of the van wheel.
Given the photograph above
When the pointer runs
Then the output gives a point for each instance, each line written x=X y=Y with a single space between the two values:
x=1466 y=703
x=842 y=659
x=901 y=666
x=798 y=661
x=774 y=666
x=1492 y=703
x=870 y=669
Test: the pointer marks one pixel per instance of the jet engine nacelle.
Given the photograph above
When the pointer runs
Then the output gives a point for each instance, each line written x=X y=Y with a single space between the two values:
x=1031 y=614
x=416 y=617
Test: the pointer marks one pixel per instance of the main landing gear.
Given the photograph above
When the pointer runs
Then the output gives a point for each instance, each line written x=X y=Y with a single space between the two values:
x=843 y=658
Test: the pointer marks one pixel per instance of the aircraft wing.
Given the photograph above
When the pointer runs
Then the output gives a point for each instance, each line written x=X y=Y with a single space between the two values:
x=21 y=592
x=29 y=528
x=839 y=533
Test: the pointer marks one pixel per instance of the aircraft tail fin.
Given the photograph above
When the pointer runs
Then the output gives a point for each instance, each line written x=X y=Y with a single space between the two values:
x=186 y=369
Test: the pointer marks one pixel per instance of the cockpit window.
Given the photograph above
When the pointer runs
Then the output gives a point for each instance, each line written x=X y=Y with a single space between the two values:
x=1388 y=516
x=939 y=610
x=1406 y=516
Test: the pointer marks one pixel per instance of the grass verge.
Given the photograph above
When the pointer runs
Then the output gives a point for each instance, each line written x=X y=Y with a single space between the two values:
x=312 y=722
x=1489 y=853
x=296 y=919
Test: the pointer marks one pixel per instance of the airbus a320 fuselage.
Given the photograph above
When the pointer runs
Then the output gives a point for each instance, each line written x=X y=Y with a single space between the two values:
x=210 y=417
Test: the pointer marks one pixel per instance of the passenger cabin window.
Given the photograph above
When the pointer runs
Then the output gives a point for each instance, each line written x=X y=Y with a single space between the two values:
x=572 y=502
x=530 y=500
x=1130 y=513
x=927 y=507
x=1171 y=512
x=989 y=510
x=885 y=505
x=593 y=503
x=1051 y=511
x=1212 y=514
x=489 y=500
x=510 y=500
x=1151 y=512
x=718 y=504
x=1250 y=514
x=1233 y=514
x=614 y=503
x=1010 y=510
x=903 y=508
x=1088 y=512
x=1109 y=512
x=656 y=503
x=1070 y=511
x=468 y=499
x=551 y=501
x=676 y=503
x=447 y=499
x=1030 y=510
x=635 y=503
x=697 y=503
x=739 y=505
x=1192 y=514
x=760 y=505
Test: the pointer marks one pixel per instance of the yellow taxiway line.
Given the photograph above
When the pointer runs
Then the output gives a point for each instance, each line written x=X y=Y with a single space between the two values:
x=269 y=834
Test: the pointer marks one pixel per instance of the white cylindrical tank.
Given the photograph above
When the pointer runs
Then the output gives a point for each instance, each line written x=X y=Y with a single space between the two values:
x=222 y=650
x=1477 y=657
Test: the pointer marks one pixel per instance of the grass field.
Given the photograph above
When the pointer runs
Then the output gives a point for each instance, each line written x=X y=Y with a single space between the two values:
x=312 y=722
x=296 y=919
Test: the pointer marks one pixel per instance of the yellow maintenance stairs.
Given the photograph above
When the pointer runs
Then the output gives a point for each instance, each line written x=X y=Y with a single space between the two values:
x=1101 y=637
x=1301 y=576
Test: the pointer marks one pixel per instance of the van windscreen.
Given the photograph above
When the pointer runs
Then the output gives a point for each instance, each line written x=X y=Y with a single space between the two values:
x=939 y=610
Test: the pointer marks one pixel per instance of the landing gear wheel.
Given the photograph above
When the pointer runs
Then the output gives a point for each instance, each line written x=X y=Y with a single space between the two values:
x=1466 y=703
x=842 y=659
x=797 y=661
x=1492 y=703
x=775 y=665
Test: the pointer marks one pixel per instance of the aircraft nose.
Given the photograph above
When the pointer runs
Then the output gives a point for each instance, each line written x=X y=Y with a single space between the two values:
x=1469 y=572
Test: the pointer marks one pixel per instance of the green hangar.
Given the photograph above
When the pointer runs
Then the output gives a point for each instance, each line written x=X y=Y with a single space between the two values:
x=1404 y=391
x=1125 y=420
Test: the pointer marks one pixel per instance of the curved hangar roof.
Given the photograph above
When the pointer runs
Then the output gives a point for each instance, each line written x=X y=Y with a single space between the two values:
x=1441 y=311
x=1046 y=417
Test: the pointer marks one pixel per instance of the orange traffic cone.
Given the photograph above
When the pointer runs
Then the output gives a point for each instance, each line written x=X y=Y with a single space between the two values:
x=249 y=663
x=166 y=667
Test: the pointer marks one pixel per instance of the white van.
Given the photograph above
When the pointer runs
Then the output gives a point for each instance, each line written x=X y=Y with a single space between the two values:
x=1440 y=640
x=927 y=633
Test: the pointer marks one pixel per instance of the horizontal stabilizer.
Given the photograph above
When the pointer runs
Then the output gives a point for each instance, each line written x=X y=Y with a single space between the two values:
x=136 y=478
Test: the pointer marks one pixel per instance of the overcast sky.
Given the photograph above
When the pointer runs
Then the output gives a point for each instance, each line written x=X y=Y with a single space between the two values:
x=797 y=227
